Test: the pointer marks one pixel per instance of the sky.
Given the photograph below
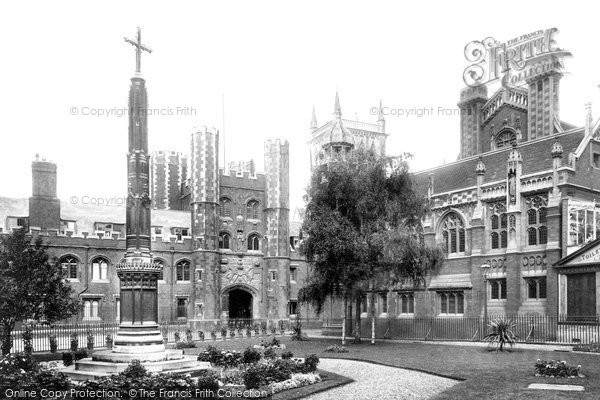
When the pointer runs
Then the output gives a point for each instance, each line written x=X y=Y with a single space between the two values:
x=265 y=64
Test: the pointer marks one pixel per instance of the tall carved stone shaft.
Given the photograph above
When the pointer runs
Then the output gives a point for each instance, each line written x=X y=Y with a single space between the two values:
x=139 y=331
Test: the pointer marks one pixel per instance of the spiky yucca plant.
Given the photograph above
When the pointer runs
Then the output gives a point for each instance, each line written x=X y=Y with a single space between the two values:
x=502 y=333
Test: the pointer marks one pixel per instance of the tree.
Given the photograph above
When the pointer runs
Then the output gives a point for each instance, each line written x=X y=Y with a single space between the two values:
x=32 y=286
x=363 y=230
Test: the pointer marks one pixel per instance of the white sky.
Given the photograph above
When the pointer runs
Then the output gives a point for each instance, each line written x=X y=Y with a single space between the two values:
x=271 y=60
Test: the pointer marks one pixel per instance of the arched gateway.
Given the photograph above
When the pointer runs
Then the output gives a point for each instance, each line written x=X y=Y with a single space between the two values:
x=237 y=303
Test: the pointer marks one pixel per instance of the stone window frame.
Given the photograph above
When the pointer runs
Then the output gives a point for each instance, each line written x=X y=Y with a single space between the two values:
x=498 y=226
x=497 y=289
x=537 y=281
x=183 y=270
x=225 y=207
x=253 y=242
x=537 y=219
x=222 y=236
x=253 y=209
x=453 y=223
x=161 y=274
x=70 y=264
x=100 y=277
x=406 y=306
x=444 y=310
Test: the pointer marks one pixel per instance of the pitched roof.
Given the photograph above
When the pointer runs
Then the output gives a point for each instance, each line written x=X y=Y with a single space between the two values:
x=461 y=174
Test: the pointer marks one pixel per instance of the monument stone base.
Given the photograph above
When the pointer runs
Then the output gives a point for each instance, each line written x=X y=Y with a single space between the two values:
x=107 y=362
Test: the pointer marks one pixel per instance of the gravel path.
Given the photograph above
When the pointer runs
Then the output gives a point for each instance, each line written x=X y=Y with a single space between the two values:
x=374 y=381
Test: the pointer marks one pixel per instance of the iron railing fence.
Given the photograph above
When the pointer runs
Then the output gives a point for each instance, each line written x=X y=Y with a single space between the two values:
x=560 y=329
x=99 y=330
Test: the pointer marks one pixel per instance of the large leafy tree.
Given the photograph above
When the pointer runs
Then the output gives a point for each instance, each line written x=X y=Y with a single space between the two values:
x=363 y=231
x=32 y=286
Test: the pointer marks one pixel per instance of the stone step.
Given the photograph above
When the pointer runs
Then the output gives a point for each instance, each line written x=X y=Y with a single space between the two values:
x=104 y=367
x=84 y=375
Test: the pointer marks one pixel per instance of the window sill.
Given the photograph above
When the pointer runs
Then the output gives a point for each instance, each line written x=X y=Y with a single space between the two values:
x=178 y=281
x=100 y=281
x=451 y=315
x=92 y=319
x=73 y=280
x=497 y=301
x=407 y=315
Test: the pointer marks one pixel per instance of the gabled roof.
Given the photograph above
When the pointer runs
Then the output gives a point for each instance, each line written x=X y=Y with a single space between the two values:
x=588 y=254
x=536 y=158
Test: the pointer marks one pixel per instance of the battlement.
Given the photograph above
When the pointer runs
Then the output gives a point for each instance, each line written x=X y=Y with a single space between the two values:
x=84 y=239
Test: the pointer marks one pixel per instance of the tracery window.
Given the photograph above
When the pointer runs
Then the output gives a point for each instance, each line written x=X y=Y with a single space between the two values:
x=453 y=234
x=537 y=231
x=498 y=226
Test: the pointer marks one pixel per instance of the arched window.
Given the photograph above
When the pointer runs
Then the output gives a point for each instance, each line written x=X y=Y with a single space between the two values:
x=183 y=270
x=253 y=242
x=503 y=239
x=252 y=210
x=537 y=216
x=99 y=269
x=224 y=240
x=453 y=234
x=498 y=225
x=494 y=222
x=69 y=265
x=225 y=207
x=532 y=217
x=87 y=309
x=505 y=138
x=532 y=236
x=161 y=273
x=91 y=309
x=542 y=235
x=495 y=240
x=542 y=215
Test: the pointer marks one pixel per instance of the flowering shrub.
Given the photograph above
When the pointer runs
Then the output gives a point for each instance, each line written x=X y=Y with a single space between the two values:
x=53 y=343
x=256 y=329
x=270 y=353
x=251 y=356
x=188 y=335
x=296 y=380
x=201 y=335
x=263 y=327
x=188 y=344
x=287 y=355
x=213 y=334
x=336 y=349
x=221 y=358
x=74 y=342
x=232 y=332
x=109 y=341
x=177 y=336
x=223 y=332
x=17 y=362
x=248 y=331
x=28 y=340
x=90 y=340
x=67 y=358
x=271 y=371
x=556 y=369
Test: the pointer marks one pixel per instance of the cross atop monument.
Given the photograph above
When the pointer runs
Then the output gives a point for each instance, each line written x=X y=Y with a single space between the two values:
x=138 y=49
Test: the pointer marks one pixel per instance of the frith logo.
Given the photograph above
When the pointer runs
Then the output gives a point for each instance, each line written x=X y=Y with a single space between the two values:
x=515 y=61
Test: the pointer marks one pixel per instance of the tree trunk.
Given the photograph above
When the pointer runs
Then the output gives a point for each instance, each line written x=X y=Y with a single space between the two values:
x=6 y=337
x=344 y=321
x=372 y=317
x=357 y=321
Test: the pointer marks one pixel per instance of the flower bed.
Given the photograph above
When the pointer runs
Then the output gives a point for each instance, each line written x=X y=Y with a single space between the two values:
x=336 y=349
x=296 y=381
x=556 y=369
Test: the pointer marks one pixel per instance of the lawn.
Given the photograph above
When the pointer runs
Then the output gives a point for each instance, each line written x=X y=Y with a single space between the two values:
x=483 y=374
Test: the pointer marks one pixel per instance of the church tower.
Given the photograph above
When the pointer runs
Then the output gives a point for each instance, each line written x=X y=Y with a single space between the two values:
x=543 y=115
x=472 y=100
